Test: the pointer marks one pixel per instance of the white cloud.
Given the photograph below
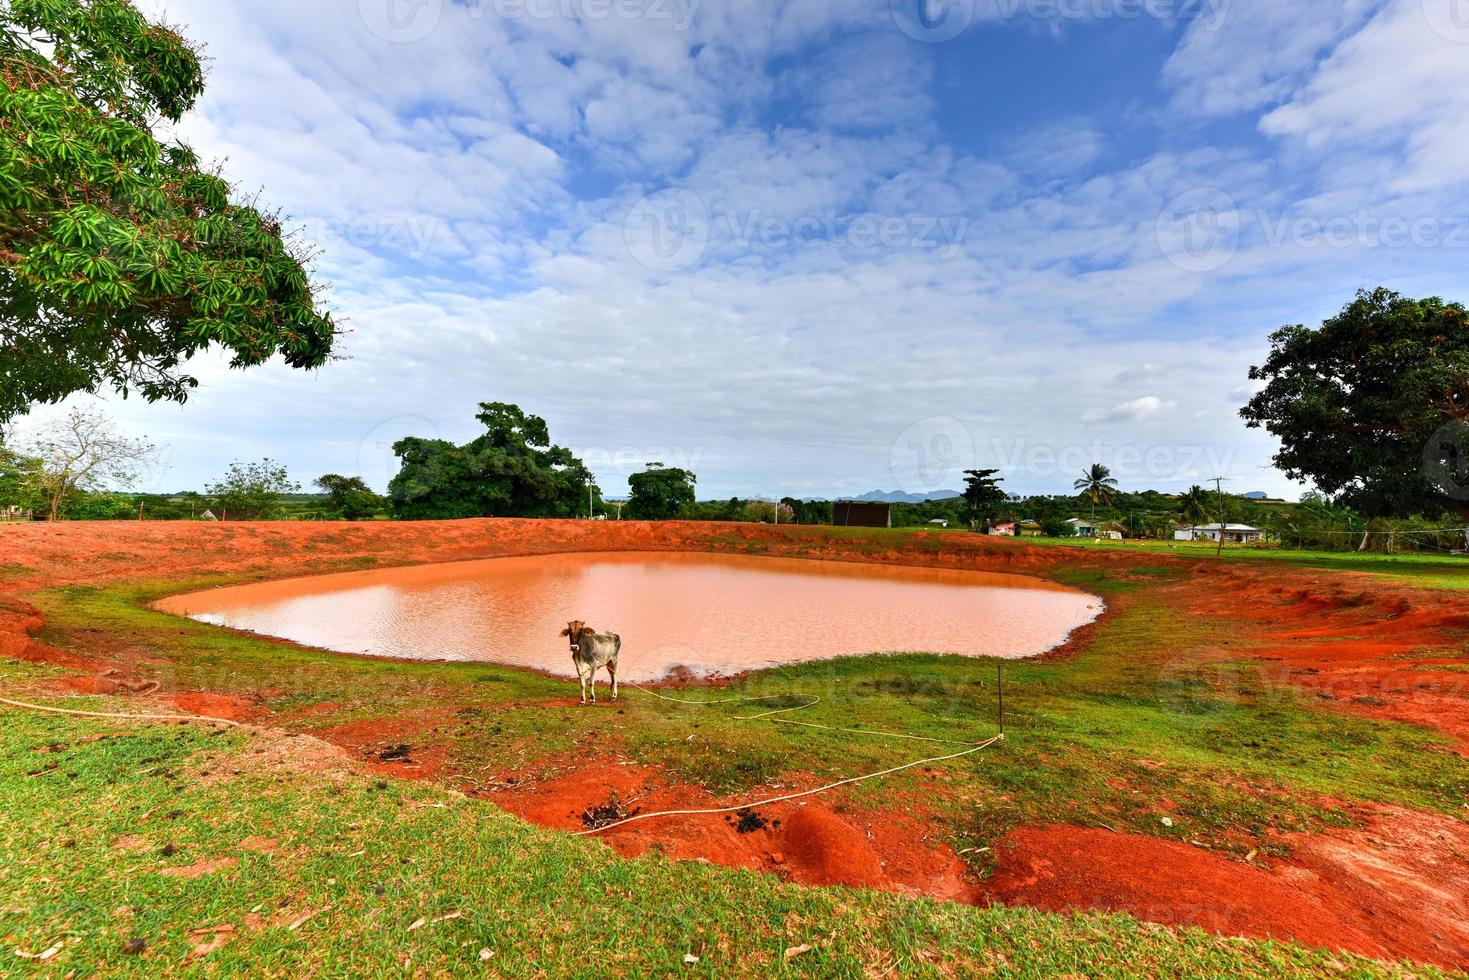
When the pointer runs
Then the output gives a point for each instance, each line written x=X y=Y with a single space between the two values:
x=471 y=191
x=1136 y=410
x=1256 y=55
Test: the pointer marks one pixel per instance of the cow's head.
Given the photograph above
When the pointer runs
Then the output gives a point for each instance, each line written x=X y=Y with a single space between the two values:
x=574 y=631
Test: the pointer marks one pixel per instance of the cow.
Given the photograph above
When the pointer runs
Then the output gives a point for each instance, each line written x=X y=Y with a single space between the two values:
x=590 y=651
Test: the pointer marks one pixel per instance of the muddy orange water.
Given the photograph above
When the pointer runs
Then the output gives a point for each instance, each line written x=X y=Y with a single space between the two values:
x=711 y=614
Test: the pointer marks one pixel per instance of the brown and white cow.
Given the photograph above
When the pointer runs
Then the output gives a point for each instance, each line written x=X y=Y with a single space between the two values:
x=591 y=651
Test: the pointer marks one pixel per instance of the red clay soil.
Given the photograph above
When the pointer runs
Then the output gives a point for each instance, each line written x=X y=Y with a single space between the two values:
x=1367 y=647
x=1394 y=888
x=807 y=842
x=1330 y=894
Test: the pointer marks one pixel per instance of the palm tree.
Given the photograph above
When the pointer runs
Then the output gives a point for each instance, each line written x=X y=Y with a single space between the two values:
x=1194 y=505
x=1098 y=486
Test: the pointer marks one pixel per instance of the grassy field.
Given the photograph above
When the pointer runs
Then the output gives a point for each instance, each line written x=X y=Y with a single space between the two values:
x=1423 y=569
x=342 y=875
x=327 y=868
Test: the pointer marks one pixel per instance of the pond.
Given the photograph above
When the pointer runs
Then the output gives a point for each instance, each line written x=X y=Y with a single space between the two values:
x=710 y=614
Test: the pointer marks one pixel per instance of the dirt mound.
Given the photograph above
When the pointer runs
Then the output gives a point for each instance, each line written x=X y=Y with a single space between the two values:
x=1351 y=891
x=823 y=849
x=217 y=706
x=807 y=842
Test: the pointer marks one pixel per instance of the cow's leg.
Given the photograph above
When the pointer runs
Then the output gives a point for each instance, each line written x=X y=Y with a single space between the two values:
x=592 y=681
x=581 y=675
x=612 y=672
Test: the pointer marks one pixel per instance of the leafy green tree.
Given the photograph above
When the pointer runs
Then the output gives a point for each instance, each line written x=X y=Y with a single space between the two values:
x=983 y=496
x=1098 y=486
x=120 y=255
x=252 y=491
x=1372 y=405
x=20 y=481
x=1197 y=505
x=83 y=453
x=769 y=512
x=350 y=498
x=660 y=493
x=1056 y=527
x=513 y=470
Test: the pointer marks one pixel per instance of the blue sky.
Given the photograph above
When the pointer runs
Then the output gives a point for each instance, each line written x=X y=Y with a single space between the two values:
x=808 y=247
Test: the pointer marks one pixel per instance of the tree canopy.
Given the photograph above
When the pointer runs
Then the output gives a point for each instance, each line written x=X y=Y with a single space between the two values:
x=120 y=255
x=349 y=498
x=983 y=495
x=660 y=493
x=83 y=452
x=1372 y=405
x=1197 y=506
x=513 y=470
x=252 y=491
x=1096 y=485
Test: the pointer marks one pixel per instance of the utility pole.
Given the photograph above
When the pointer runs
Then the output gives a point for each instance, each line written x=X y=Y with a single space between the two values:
x=1223 y=515
x=590 y=515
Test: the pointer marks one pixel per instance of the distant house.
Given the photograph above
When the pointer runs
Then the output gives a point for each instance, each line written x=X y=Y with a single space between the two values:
x=208 y=515
x=14 y=512
x=938 y=522
x=1030 y=529
x=1110 y=530
x=853 y=513
x=1004 y=529
x=1233 y=533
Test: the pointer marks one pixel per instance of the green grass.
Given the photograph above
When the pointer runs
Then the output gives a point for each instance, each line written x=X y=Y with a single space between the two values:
x=1159 y=714
x=1425 y=570
x=1157 y=707
x=97 y=810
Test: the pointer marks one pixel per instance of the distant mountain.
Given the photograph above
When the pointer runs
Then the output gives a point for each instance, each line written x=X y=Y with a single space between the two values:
x=1257 y=495
x=899 y=497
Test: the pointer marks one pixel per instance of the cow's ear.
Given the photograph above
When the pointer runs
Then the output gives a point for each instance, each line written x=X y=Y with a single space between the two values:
x=566 y=632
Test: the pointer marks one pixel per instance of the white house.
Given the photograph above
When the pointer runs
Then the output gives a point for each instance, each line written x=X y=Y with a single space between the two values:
x=1233 y=533
x=1089 y=529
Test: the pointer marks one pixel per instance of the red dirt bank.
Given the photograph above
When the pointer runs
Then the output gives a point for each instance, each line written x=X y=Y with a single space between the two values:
x=1393 y=889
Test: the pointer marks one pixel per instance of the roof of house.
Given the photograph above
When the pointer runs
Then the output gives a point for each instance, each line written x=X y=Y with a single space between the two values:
x=1227 y=527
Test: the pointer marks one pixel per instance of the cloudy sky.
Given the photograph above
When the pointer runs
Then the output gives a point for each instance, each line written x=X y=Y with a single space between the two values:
x=813 y=247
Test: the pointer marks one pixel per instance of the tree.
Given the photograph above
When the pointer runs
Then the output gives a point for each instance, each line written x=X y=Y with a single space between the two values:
x=1195 y=505
x=1098 y=486
x=983 y=496
x=252 y=491
x=660 y=493
x=1372 y=406
x=351 y=498
x=84 y=452
x=769 y=512
x=120 y=256
x=513 y=470
x=19 y=481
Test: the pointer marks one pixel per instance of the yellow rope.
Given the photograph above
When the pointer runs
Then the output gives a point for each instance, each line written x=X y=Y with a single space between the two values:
x=972 y=749
x=105 y=714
